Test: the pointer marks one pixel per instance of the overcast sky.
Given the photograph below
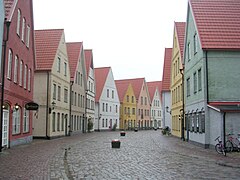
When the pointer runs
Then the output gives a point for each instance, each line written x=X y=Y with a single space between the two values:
x=128 y=35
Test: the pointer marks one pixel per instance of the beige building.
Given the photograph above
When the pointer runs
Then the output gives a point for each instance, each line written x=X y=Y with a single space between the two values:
x=78 y=80
x=177 y=80
x=51 y=84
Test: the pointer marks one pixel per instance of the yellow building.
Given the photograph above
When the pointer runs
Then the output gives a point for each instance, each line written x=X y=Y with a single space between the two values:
x=127 y=105
x=177 y=92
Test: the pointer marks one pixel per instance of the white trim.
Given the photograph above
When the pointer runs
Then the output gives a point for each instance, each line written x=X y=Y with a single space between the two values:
x=214 y=108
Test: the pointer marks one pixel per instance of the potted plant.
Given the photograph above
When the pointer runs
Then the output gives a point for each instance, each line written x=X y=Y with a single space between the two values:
x=90 y=126
x=116 y=143
x=122 y=133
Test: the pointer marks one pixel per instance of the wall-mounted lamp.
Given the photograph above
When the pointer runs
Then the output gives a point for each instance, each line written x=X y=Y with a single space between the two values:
x=51 y=107
x=168 y=110
x=16 y=107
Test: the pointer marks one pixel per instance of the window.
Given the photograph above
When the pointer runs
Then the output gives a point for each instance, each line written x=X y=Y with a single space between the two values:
x=113 y=94
x=58 y=121
x=127 y=98
x=133 y=111
x=79 y=100
x=145 y=100
x=28 y=36
x=141 y=100
x=25 y=121
x=54 y=91
x=25 y=77
x=106 y=107
x=63 y=121
x=65 y=95
x=107 y=92
x=59 y=65
x=10 y=56
x=53 y=122
x=189 y=51
x=23 y=28
x=15 y=69
x=20 y=72
x=78 y=78
x=106 y=123
x=81 y=82
x=29 y=79
x=195 y=82
x=59 y=93
x=195 y=43
x=116 y=108
x=102 y=122
x=200 y=79
x=103 y=106
x=188 y=86
x=132 y=99
x=65 y=69
x=16 y=121
x=18 y=22
x=72 y=97
x=75 y=99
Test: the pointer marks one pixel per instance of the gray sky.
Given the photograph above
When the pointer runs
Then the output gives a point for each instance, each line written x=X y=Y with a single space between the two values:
x=128 y=35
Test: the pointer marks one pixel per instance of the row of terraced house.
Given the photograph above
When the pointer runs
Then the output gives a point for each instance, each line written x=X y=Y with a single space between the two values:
x=51 y=89
x=200 y=85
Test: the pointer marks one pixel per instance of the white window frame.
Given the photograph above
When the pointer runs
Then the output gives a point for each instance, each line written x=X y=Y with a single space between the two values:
x=23 y=29
x=16 y=121
x=25 y=77
x=28 y=36
x=20 y=73
x=10 y=57
x=18 y=22
x=25 y=121
x=29 y=79
x=59 y=65
x=15 y=69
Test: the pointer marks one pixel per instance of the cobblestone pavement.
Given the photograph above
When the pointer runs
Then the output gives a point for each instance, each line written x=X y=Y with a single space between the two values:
x=142 y=155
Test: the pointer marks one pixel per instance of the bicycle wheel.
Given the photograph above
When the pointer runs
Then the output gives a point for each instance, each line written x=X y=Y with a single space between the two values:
x=219 y=148
x=229 y=146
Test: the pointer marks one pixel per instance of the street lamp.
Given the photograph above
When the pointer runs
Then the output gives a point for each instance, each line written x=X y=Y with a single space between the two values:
x=168 y=110
x=99 y=117
x=5 y=39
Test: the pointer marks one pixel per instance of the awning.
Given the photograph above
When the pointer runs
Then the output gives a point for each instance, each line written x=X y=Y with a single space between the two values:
x=225 y=106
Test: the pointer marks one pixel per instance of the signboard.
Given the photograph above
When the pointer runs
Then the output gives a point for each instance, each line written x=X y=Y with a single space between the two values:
x=31 y=106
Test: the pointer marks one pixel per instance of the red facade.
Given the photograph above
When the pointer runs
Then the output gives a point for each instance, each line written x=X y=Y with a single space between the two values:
x=18 y=86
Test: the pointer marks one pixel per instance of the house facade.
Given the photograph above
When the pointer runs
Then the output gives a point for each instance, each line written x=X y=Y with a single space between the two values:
x=90 y=93
x=19 y=66
x=212 y=70
x=107 y=104
x=154 y=89
x=128 y=105
x=166 y=91
x=177 y=110
x=52 y=85
x=76 y=58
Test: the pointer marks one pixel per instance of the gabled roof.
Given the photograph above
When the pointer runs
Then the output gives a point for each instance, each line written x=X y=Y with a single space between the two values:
x=218 y=23
x=180 y=30
x=88 y=59
x=74 y=54
x=100 y=79
x=122 y=87
x=136 y=84
x=166 y=81
x=9 y=6
x=46 y=43
x=152 y=87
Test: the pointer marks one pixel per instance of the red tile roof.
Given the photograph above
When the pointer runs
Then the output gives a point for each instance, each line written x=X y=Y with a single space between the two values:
x=166 y=81
x=152 y=86
x=9 y=6
x=100 y=80
x=74 y=54
x=122 y=87
x=88 y=59
x=218 y=23
x=180 y=29
x=136 y=84
x=46 y=43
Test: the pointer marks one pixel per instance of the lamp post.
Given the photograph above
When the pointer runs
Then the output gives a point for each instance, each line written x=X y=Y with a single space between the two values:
x=99 y=117
x=5 y=39
x=183 y=109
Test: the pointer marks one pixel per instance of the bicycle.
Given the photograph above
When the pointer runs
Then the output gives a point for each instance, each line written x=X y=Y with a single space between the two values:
x=233 y=143
x=219 y=147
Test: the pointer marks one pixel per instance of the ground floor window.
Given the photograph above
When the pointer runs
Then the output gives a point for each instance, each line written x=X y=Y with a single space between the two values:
x=16 y=121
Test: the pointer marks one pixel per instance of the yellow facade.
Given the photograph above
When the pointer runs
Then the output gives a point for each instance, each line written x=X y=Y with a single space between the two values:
x=128 y=110
x=176 y=88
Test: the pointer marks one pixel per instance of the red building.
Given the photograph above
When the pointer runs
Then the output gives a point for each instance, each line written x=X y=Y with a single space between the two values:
x=19 y=71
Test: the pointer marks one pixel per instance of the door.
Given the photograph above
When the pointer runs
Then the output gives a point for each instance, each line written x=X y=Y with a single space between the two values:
x=5 y=128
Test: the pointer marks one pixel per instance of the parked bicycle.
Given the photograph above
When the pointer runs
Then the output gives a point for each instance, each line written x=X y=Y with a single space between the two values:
x=219 y=147
x=233 y=143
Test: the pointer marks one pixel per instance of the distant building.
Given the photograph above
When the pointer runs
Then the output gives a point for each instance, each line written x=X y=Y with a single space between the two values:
x=107 y=104
x=52 y=85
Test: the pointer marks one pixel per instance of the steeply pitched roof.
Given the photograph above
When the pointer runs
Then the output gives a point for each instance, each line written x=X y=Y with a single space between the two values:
x=218 y=23
x=122 y=87
x=152 y=86
x=166 y=81
x=136 y=84
x=88 y=60
x=100 y=79
x=74 y=54
x=46 y=43
x=180 y=30
x=9 y=6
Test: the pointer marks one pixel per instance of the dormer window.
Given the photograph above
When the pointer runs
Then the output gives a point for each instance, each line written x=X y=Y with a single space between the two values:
x=23 y=29
x=18 y=22
x=195 y=43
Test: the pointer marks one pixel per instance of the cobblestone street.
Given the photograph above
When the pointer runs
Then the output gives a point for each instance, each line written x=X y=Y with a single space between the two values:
x=142 y=155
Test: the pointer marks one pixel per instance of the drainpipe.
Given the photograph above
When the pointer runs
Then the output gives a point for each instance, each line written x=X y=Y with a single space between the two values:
x=224 y=131
x=207 y=75
x=47 y=107
x=70 y=109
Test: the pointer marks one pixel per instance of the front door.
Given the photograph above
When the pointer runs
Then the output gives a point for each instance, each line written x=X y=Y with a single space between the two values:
x=5 y=128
